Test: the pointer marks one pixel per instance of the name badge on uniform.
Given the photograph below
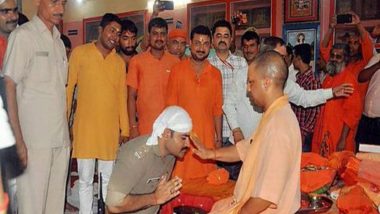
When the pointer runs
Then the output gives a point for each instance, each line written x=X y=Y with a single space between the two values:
x=150 y=180
x=42 y=53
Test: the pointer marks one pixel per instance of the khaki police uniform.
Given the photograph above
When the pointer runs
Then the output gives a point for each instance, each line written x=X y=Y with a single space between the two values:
x=137 y=171
x=36 y=61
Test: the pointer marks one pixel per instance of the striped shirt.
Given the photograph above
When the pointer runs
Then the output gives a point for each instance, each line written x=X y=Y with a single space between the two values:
x=229 y=69
x=307 y=117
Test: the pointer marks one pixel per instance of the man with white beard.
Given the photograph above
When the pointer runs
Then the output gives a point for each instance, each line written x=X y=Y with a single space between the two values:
x=337 y=61
x=335 y=127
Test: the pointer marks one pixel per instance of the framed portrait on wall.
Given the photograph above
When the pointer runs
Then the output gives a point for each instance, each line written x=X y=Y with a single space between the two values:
x=91 y=29
x=205 y=13
x=251 y=13
x=91 y=25
x=370 y=9
x=295 y=34
x=301 y=11
x=365 y=9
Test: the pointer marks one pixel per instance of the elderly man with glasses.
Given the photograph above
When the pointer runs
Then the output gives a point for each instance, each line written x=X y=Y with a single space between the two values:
x=338 y=119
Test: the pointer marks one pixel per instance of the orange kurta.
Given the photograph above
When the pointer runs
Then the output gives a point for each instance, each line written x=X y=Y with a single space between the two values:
x=201 y=97
x=335 y=113
x=149 y=76
x=101 y=113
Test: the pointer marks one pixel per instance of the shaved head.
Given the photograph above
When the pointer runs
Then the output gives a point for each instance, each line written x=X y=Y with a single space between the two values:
x=270 y=64
x=267 y=75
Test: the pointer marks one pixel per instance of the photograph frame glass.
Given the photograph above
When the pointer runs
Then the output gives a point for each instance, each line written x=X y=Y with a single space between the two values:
x=256 y=12
x=301 y=11
x=205 y=13
x=311 y=33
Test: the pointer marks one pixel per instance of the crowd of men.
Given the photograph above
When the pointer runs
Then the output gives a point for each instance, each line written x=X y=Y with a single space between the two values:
x=152 y=121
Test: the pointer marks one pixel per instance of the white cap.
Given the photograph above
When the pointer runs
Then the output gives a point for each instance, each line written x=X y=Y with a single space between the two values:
x=174 y=118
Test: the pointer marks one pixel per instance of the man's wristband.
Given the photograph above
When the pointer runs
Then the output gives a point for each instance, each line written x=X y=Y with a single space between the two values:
x=133 y=126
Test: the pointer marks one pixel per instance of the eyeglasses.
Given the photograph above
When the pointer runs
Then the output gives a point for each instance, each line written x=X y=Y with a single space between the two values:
x=335 y=56
x=6 y=11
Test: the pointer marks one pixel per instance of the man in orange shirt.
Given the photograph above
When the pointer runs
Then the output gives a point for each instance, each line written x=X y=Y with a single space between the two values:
x=338 y=119
x=196 y=86
x=360 y=50
x=147 y=79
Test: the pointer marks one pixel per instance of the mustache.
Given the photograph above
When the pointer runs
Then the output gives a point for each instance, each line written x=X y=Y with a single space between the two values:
x=202 y=52
x=60 y=15
x=127 y=51
x=333 y=68
x=11 y=22
x=222 y=42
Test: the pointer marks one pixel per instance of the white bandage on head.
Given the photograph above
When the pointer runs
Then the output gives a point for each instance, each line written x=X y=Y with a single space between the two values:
x=174 y=118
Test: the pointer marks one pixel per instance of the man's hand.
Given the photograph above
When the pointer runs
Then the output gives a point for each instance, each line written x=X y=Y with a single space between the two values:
x=22 y=152
x=200 y=150
x=167 y=190
x=123 y=139
x=133 y=132
x=238 y=135
x=355 y=18
x=344 y=90
x=157 y=8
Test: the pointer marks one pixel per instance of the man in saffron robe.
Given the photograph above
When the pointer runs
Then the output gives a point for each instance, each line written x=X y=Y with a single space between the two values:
x=360 y=51
x=196 y=85
x=269 y=178
x=338 y=119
